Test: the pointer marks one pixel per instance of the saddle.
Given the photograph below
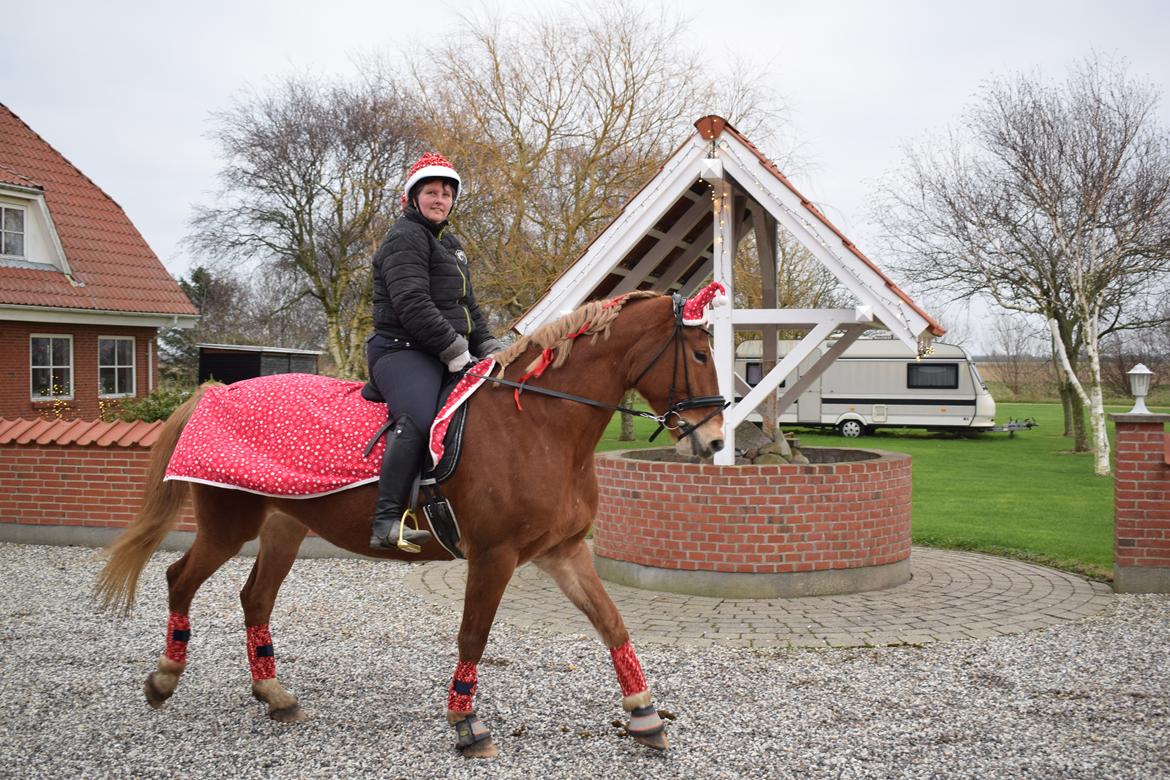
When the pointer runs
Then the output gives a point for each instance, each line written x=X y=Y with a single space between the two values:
x=452 y=438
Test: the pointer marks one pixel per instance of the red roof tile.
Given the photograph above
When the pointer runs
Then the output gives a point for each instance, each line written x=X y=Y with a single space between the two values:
x=10 y=176
x=118 y=270
x=80 y=433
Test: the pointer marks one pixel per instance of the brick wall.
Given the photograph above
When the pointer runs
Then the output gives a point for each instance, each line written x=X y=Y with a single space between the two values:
x=1141 y=504
x=754 y=519
x=73 y=485
x=15 y=395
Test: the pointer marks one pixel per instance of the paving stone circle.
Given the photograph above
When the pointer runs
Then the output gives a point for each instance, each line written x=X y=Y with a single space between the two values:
x=951 y=596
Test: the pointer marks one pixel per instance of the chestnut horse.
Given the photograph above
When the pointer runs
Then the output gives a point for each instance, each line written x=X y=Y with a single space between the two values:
x=524 y=491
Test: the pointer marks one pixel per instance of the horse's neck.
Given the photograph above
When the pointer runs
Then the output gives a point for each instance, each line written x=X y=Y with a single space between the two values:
x=599 y=371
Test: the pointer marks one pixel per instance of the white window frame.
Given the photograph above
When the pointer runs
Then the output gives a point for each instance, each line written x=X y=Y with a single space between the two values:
x=24 y=213
x=72 y=366
x=133 y=366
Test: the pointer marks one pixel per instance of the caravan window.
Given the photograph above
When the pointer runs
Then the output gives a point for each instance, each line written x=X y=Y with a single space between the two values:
x=939 y=376
x=753 y=373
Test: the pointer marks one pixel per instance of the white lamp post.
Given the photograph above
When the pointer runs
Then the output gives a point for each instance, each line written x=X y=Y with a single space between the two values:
x=1139 y=384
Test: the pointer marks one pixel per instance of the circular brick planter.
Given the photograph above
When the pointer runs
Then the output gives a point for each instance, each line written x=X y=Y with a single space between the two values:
x=833 y=526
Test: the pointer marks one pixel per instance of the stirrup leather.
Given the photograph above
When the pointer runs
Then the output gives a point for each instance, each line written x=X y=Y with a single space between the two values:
x=402 y=544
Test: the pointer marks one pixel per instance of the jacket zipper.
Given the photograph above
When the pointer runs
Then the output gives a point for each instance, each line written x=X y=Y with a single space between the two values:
x=466 y=311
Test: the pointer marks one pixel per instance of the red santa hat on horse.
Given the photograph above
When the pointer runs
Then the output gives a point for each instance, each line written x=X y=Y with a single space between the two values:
x=697 y=309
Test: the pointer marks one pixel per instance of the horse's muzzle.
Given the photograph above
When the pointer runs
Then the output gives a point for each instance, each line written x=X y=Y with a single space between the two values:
x=703 y=441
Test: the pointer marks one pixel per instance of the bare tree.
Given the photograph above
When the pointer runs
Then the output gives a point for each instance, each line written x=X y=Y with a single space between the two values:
x=267 y=310
x=555 y=123
x=308 y=187
x=1054 y=201
x=802 y=281
x=1016 y=346
x=1122 y=351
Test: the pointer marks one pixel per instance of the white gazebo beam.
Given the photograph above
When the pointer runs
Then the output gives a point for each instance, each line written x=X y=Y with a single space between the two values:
x=851 y=332
x=723 y=332
x=669 y=241
x=798 y=318
x=643 y=213
x=905 y=324
x=770 y=381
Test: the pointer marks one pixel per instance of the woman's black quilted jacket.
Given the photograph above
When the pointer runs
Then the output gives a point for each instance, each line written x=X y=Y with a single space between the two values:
x=422 y=291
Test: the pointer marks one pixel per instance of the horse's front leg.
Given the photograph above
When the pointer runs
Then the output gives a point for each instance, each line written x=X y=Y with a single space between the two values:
x=280 y=538
x=571 y=566
x=487 y=577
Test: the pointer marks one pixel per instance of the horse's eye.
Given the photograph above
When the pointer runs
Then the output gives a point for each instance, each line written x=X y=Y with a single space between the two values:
x=701 y=357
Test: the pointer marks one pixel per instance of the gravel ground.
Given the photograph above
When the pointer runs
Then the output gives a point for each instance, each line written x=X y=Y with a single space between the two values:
x=370 y=663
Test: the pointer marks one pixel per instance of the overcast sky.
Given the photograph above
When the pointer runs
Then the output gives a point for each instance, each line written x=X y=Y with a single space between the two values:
x=124 y=88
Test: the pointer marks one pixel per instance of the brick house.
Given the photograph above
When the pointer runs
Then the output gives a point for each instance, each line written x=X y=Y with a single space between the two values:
x=82 y=295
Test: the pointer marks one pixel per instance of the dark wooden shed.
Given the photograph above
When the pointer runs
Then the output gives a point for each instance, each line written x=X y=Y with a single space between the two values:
x=229 y=363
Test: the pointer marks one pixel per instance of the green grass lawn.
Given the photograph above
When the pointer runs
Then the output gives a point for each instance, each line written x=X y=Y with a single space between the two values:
x=1024 y=496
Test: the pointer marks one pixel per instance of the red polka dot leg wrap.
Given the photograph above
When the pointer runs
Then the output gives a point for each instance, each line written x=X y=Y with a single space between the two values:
x=461 y=696
x=261 y=656
x=629 y=671
x=178 y=634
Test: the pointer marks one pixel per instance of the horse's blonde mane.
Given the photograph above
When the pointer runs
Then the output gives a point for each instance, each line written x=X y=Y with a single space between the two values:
x=595 y=316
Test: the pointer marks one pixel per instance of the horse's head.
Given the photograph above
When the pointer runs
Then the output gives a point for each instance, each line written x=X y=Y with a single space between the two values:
x=674 y=370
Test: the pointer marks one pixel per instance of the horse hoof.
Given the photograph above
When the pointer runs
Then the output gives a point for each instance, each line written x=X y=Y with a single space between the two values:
x=155 y=696
x=485 y=748
x=290 y=714
x=657 y=741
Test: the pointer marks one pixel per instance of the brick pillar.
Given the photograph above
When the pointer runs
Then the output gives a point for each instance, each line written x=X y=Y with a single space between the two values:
x=1141 y=504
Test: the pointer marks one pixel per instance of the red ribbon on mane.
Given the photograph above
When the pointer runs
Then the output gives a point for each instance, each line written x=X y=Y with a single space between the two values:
x=547 y=355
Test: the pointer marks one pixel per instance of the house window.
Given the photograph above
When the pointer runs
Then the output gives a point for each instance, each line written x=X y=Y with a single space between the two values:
x=51 y=359
x=938 y=376
x=12 y=231
x=115 y=366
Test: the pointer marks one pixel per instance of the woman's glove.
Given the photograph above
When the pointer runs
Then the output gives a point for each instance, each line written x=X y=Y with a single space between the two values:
x=489 y=347
x=459 y=362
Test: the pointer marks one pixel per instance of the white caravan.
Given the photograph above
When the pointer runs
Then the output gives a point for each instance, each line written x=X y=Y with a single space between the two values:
x=879 y=383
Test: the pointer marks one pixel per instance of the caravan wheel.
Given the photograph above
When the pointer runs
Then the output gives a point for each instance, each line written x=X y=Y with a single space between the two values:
x=851 y=429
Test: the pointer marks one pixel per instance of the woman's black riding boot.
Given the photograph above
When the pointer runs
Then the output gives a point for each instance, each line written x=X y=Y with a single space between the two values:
x=400 y=464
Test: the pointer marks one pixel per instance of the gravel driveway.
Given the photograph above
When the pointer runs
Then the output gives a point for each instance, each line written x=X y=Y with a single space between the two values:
x=370 y=663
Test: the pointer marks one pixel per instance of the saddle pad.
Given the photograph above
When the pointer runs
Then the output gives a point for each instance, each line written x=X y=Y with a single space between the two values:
x=294 y=435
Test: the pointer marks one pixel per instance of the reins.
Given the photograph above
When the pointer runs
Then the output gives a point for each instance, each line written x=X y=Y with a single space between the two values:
x=663 y=420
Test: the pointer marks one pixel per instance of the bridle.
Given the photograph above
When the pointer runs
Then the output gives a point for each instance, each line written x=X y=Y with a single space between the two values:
x=675 y=408
x=688 y=401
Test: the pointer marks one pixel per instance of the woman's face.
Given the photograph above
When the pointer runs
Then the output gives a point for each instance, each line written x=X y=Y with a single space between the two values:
x=435 y=199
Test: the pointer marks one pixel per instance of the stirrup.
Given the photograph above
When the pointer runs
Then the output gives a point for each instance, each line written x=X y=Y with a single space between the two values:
x=402 y=544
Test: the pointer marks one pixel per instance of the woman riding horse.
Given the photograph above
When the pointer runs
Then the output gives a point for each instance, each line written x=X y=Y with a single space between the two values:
x=427 y=325
x=525 y=491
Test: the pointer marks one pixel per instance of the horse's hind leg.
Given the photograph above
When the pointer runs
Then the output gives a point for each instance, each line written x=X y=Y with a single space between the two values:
x=215 y=542
x=280 y=538
x=572 y=568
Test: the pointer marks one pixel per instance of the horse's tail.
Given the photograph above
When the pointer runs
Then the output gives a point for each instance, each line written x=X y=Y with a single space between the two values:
x=162 y=501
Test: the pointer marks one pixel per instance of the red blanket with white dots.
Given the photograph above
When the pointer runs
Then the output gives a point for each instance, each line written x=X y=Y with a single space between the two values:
x=295 y=435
